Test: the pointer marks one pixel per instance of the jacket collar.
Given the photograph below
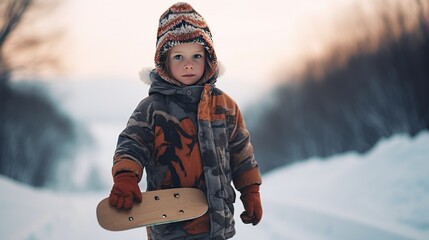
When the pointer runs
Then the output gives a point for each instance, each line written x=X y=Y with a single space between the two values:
x=187 y=93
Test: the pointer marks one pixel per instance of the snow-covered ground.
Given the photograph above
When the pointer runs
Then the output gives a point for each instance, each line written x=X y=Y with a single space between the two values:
x=383 y=194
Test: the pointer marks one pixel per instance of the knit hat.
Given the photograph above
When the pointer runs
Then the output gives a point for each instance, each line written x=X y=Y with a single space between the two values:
x=182 y=24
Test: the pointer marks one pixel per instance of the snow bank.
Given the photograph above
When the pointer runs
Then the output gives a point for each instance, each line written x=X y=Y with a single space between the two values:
x=385 y=192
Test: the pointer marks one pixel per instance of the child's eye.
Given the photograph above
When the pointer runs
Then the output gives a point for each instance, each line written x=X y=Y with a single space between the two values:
x=178 y=57
x=198 y=56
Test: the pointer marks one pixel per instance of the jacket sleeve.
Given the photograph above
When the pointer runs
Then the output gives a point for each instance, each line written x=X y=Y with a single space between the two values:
x=243 y=164
x=135 y=143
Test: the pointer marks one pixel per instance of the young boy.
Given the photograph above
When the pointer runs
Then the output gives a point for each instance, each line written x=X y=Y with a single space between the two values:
x=188 y=133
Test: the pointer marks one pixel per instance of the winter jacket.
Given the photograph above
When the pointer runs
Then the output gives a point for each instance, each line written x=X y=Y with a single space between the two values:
x=192 y=136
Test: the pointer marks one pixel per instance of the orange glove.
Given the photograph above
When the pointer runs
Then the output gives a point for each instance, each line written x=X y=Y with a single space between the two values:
x=252 y=204
x=125 y=190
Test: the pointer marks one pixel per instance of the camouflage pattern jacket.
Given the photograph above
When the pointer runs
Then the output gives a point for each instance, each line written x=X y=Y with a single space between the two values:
x=191 y=136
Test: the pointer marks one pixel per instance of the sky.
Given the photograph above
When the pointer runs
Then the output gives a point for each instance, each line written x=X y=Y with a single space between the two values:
x=253 y=39
x=258 y=43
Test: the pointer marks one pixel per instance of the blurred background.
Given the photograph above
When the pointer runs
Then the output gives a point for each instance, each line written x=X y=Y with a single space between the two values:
x=334 y=93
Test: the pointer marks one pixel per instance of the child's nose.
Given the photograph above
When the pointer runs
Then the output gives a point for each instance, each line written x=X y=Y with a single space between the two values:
x=188 y=66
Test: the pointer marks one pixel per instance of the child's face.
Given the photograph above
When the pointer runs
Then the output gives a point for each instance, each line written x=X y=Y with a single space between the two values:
x=186 y=62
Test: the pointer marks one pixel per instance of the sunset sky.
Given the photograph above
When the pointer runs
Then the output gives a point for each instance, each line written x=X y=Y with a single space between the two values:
x=253 y=39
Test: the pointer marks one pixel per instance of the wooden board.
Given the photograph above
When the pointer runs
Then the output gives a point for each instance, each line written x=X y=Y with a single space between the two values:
x=157 y=207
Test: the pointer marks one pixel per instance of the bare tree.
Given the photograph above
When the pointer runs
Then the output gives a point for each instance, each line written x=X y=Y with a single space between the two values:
x=36 y=137
x=334 y=108
x=21 y=41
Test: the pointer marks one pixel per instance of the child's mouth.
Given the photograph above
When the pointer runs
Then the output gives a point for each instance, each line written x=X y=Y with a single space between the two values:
x=188 y=75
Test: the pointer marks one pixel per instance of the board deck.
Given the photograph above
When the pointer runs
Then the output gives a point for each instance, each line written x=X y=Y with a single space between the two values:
x=157 y=207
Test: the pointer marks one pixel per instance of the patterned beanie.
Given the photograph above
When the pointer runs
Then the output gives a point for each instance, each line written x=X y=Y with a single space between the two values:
x=182 y=24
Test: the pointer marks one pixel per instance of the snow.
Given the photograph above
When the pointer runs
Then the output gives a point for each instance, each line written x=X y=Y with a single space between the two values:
x=383 y=194
x=380 y=195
